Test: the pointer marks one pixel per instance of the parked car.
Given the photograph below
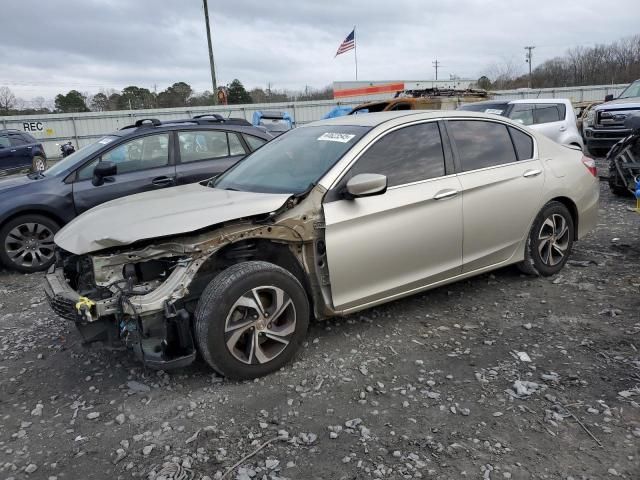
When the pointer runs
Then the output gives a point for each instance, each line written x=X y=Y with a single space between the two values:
x=605 y=125
x=20 y=151
x=150 y=155
x=553 y=117
x=425 y=99
x=328 y=219
x=274 y=122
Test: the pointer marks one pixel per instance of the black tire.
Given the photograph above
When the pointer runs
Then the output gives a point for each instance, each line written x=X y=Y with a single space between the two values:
x=220 y=321
x=541 y=243
x=38 y=243
x=38 y=164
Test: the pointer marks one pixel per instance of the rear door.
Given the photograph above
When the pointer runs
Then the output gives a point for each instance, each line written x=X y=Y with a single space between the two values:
x=20 y=150
x=144 y=164
x=549 y=119
x=7 y=162
x=502 y=181
x=386 y=245
x=203 y=154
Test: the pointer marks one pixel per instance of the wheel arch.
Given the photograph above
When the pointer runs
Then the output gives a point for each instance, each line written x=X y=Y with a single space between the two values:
x=573 y=210
x=33 y=211
x=252 y=249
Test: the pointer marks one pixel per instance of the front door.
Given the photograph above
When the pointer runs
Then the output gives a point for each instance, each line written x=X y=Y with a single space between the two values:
x=411 y=236
x=206 y=153
x=143 y=165
x=502 y=183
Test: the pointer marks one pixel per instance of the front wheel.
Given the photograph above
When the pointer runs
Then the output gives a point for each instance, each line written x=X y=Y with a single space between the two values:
x=26 y=243
x=550 y=241
x=251 y=319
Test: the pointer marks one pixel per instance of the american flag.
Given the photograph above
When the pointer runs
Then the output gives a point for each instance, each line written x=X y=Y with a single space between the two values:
x=348 y=44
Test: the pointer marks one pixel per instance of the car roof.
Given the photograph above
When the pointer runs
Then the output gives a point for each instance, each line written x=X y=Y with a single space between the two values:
x=541 y=100
x=377 y=118
x=169 y=126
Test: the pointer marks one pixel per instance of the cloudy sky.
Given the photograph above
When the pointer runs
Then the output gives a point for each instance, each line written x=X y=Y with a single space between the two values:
x=56 y=45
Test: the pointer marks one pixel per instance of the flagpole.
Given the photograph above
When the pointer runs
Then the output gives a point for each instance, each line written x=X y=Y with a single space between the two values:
x=355 y=50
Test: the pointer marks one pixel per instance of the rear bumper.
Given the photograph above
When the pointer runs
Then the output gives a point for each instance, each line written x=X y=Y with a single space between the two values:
x=588 y=213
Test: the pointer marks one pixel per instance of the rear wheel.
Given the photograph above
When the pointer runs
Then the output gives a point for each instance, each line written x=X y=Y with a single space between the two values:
x=39 y=164
x=251 y=319
x=550 y=241
x=26 y=243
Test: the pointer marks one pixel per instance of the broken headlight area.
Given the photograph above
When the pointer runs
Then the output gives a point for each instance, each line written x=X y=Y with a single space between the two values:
x=131 y=301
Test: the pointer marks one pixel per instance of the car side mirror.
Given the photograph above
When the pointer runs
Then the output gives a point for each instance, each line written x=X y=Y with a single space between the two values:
x=366 y=185
x=608 y=98
x=103 y=172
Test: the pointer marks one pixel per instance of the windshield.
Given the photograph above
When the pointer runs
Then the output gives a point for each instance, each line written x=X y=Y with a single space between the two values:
x=292 y=162
x=495 y=108
x=78 y=157
x=631 y=91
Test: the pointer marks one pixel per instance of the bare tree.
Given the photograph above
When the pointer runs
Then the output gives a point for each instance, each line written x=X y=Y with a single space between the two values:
x=7 y=100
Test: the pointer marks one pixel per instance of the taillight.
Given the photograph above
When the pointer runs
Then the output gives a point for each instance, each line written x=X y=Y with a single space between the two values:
x=591 y=165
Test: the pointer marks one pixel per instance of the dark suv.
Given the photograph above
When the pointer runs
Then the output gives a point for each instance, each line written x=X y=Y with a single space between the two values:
x=19 y=151
x=146 y=156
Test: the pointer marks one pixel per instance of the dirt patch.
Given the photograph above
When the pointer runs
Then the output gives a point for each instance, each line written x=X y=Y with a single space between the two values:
x=434 y=386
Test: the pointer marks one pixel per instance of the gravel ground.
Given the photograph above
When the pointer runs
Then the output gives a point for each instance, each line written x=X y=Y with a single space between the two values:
x=501 y=376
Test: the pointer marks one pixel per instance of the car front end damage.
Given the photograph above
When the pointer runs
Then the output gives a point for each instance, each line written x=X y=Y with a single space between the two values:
x=145 y=297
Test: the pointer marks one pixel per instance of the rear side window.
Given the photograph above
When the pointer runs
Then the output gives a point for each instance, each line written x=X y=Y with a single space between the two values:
x=481 y=144
x=28 y=138
x=201 y=145
x=235 y=145
x=523 y=144
x=254 y=142
x=549 y=113
x=407 y=155
x=17 y=140
x=4 y=142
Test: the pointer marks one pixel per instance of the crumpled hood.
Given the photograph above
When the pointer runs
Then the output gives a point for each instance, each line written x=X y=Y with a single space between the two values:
x=161 y=213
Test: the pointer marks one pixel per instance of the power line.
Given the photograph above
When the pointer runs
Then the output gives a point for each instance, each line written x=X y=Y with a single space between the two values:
x=528 y=59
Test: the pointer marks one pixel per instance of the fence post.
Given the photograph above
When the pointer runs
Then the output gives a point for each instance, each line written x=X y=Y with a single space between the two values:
x=75 y=131
x=295 y=115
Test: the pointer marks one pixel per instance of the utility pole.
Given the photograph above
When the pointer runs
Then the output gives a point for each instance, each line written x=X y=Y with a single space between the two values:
x=528 y=60
x=436 y=65
x=212 y=65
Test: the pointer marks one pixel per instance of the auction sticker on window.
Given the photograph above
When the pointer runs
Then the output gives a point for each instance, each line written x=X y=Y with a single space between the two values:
x=336 y=137
x=495 y=111
x=105 y=141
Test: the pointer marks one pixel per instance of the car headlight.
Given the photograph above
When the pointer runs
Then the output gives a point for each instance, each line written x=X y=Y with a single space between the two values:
x=591 y=114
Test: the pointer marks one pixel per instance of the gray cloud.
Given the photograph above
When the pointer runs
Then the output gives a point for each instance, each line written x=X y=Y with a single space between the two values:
x=53 y=46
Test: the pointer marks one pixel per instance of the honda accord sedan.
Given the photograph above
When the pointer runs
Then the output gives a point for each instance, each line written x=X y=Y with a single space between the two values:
x=328 y=219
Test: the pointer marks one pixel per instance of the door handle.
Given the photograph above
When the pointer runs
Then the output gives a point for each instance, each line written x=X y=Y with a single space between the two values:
x=531 y=173
x=445 y=194
x=563 y=128
x=29 y=148
x=13 y=151
x=163 y=181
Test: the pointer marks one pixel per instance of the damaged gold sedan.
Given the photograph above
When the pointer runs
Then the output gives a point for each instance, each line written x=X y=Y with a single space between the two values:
x=328 y=219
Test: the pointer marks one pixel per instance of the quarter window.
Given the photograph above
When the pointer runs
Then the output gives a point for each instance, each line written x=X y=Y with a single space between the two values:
x=481 y=144
x=254 y=142
x=407 y=155
x=522 y=113
x=523 y=144
x=549 y=113
x=235 y=145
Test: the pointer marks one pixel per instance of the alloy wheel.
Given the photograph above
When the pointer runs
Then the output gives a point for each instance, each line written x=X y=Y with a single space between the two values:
x=30 y=245
x=259 y=325
x=553 y=240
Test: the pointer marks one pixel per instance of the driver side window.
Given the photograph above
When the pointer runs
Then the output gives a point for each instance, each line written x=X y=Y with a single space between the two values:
x=138 y=154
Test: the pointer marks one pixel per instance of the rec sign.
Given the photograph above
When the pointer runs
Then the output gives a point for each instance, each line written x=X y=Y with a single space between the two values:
x=32 y=126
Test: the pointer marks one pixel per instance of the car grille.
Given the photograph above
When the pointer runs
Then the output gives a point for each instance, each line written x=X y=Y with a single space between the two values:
x=613 y=118
x=64 y=307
